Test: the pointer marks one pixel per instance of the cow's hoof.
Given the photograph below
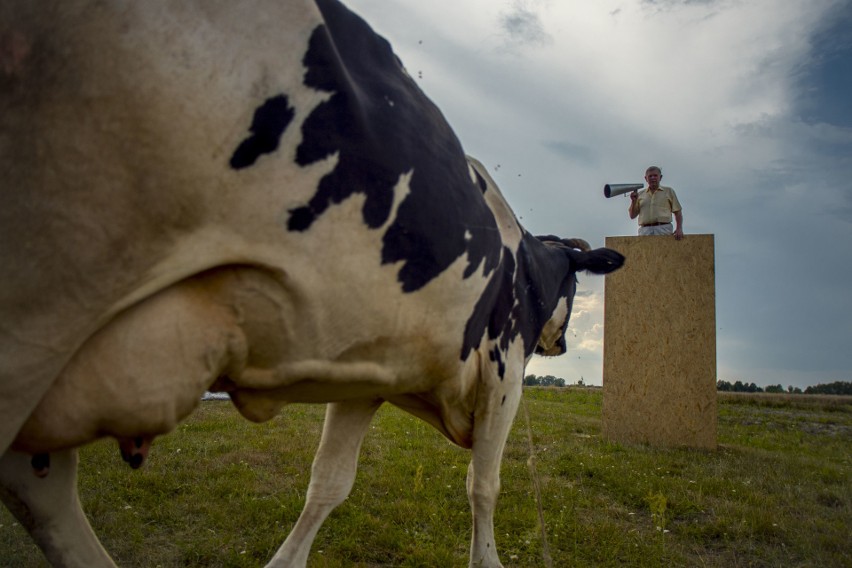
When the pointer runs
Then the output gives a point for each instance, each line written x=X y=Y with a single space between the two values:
x=136 y=461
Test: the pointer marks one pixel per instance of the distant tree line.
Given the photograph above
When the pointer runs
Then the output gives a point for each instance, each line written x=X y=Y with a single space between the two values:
x=546 y=381
x=837 y=387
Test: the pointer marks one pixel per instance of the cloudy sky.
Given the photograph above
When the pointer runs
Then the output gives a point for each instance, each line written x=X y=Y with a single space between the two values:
x=744 y=103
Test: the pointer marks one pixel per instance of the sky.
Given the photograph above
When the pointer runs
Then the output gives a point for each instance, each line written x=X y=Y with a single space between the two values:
x=746 y=106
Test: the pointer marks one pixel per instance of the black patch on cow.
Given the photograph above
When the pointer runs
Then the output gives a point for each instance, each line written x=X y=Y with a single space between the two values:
x=521 y=296
x=382 y=126
x=269 y=123
x=497 y=357
x=494 y=306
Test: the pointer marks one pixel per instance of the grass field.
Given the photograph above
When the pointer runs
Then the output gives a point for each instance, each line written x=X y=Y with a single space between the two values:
x=223 y=492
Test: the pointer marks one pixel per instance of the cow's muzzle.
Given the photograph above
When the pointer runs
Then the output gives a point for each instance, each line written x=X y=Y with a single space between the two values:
x=554 y=350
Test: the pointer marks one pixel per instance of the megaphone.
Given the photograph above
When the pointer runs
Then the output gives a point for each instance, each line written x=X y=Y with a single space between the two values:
x=613 y=189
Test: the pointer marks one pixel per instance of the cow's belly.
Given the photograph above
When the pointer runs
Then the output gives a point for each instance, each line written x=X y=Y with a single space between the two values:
x=240 y=330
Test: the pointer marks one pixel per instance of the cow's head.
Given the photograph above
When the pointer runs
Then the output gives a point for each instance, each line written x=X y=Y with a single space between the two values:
x=580 y=257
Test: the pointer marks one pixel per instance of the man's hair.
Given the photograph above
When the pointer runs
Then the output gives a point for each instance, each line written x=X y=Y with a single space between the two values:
x=657 y=168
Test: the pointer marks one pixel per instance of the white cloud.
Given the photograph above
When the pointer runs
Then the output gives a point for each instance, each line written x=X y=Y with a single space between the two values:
x=585 y=329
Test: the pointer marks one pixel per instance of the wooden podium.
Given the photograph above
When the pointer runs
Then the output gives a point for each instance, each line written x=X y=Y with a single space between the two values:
x=659 y=373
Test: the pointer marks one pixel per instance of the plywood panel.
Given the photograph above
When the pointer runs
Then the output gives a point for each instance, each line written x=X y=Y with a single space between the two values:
x=659 y=375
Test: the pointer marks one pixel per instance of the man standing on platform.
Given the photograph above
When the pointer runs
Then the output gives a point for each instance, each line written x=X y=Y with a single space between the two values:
x=655 y=206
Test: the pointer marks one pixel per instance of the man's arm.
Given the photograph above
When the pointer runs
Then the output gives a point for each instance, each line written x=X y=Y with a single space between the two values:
x=678 y=234
x=634 y=205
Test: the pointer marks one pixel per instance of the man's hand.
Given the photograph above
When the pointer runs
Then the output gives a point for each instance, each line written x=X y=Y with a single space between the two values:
x=633 y=210
x=678 y=234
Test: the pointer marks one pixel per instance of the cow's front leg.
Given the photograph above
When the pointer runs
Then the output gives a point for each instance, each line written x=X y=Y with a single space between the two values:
x=492 y=422
x=49 y=508
x=332 y=476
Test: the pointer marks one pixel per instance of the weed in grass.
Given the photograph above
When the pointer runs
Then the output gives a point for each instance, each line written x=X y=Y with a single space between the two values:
x=657 y=504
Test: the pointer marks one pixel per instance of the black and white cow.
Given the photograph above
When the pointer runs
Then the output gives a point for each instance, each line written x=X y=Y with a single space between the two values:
x=250 y=197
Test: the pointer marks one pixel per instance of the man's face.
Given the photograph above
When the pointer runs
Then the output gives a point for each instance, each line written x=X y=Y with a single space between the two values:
x=653 y=178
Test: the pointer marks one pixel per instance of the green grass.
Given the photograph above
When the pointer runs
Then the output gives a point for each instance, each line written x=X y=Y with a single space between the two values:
x=224 y=492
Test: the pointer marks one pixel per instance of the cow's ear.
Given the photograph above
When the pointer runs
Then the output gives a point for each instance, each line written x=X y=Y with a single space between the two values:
x=598 y=261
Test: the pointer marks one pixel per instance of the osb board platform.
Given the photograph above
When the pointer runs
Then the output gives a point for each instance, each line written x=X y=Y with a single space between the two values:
x=659 y=374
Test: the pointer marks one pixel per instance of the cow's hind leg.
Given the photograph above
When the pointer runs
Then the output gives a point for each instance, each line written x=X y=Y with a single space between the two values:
x=49 y=508
x=332 y=476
